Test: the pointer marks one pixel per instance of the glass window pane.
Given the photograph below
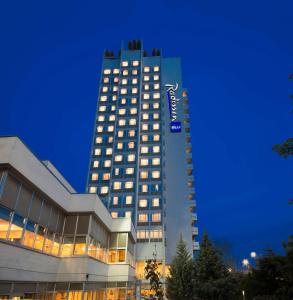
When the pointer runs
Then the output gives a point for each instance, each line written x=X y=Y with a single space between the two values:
x=80 y=245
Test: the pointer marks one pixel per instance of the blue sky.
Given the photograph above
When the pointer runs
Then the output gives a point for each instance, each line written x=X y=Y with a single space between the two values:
x=236 y=59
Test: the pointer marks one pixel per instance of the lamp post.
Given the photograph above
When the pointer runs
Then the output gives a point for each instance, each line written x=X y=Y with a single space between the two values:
x=243 y=294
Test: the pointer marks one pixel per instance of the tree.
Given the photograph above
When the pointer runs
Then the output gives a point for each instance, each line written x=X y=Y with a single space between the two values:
x=179 y=282
x=152 y=273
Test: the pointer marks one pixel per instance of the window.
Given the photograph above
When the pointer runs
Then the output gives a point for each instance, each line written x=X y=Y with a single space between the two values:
x=131 y=133
x=125 y=72
x=156 y=217
x=156 y=105
x=155 y=202
x=101 y=118
x=102 y=108
x=99 y=140
x=146 y=69
x=131 y=145
x=142 y=218
x=145 y=116
x=156 y=86
x=98 y=151
x=128 y=184
x=109 y=151
x=146 y=78
x=156 y=234
x=115 y=200
x=100 y=128
x=122 y=122
x=119 y=146
x=135 y=63
x=112 y=118
x=133 y=111
x=110 y=139
x=106 y=176
x=144 y=138
x=156 y=116
x=134 y=90
x=107 y=163
x=117 y=185
x=120 y=133
x=96 y=164
x=133 y=100
x=131 y=157
x=110 y=128
x=116 y=171
x=156 y=95
x=146 y=87
x=156 y=149
x=104 y=190
x=95 y=176
x=156 y=138
x=123 y=101
x=144 y=188
x=132 y=122
x=145 y=106
x=146 y=96
x=103 y=98
x=134 y=81
x=124 y=81
x=106 y=80
x=115 y=88
x=144 y=161
x=156 y=126
x=156 y=174
x=114 y=214
x=107 y=71
x=134 y=72
x=144 y=149
x=122 y=111
x=125 y=63
x=156 y=161
x=116 y=79
x=113 y=108
x=116 y=71
x=114 y=97
x=129 y=171
x=128 y=200
x=143 y=203
x=144 y=175
x=118 y=158
x=156 y=68
x=156 y=77
x=142 y=234
x=105 y=89
x=123 y=91
x=93 y=189
x=128 y=214
x=145 y=127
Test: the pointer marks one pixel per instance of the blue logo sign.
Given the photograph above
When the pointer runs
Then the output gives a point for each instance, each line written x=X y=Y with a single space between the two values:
x=175 y=126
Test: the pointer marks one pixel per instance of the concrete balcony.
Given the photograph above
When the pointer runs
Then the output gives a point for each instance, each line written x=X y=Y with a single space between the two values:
x=194 y=231
x=195 y=246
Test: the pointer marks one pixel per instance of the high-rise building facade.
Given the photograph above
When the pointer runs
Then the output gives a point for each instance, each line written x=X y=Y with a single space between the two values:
x=141 y=160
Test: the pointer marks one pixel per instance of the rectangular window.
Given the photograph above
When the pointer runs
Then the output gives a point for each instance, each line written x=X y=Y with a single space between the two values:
x=128 y=200
x=156 y=138
x=128 y=184
x=133 y=100
x=144 y=161
x=124 y=81
x=156 y=149
x=135 y=63
x=116 y=71
x=156 y=161
x=110 y=128
x=156 y=95
x=144 y=175
x=124 y=63
x=123 y=91
x=117 y=185
x=156 y=217
x=107 y=71
x=106 y=176
x=133 y=111
x=119 y=146
x=156 y=116
x=128 y=214
x=131 y=133
x=98 y=151
x=146 y=69
x=145 y=116
x=114 y=214
x=131 y=157
x=156 y=77
x=146 y=96
x=155 y=202
x=104 y=190
x=122 y=122
x=112 y=118
x=105 y=89
x=134 y=90
x=109 y=151
x=156 y=68
x=125 y=72
x=99 y=140
x=120 y=133
x=156 y=126
x=144 y=149
x=95 y=176
x=132 y=122
x=93 y=190
x=131 y=145
x=144 y=138
x=156 y=174
x=143 y=203
x=144 y=188
x=134 y=81
x=106 y=80
x=122 y=111
x=107 y=163
x=115 y=200
x=134 y=72
x=145 y=127
x=103 y=98
x=146 y=87
x=146 y=78
x=142 y=218
x=100 y=129
x=129 y=171
x=145 y=106
x=118 y=158
x=156 y=86
x=96 y=164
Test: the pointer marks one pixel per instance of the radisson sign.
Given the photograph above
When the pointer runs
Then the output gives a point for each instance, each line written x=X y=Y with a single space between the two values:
x=175 y=125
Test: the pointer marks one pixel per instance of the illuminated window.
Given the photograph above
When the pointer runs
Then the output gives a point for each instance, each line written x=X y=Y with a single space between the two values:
x=115 y=200
x=120 y=146
x=142 y=234
x=132 y=122
x=144 y=175
x=155 y=202
x=156 y=149
x=146 y=78
x=156 y=161
x=131 y=145
x=109 y=151
x=124 y=81
x=145 y=116
x=156 y=86
x=113 y=108
x=106 y=176
x=146 y=69
x=156 y=137
x=125 y=72
x=156 y=126
x=101 y=118
x=125 y=63
x=106 y=80
x=144 y=149
x=142 y=218
x=115 y=88
x=104 y=190
x=114 y=214
x=96 y=164
x=118 y=158
x=131 y=133
x=143 y=203
x=117 y=185
x=145 y=106
x=156 y=174
x=145 y=127
x=93 y=189
x=156 y=234
x=98 y=151
x=116 y=71
x=133 y=111
x=110 y=128
x=144 y=188
x=128 y=184
x=123 y=91
x=134 y=72
x=134 y=90
x=156 y=217
x=107 y=163
x=156 y=116
x=135 y=63
x=110 y=139
x=156 y=77
x=116 y=171
x=103 y=98
x=129 y=171
x=107 y=71
x=114 y=97
x=116 y=79
x=134 y=81
x=156 y=95
x=133 y=100
x=156 y=68
x=105 y=89
x=128 y=200
x=102 y=108
x=128 y=214
x=122 y=111
x=112 y=118
x=144 y=138
x=144 y=161
x=95 y=176
x=123 y=101
x=120 y=133
x=100 y=128
x=146 y=96
x=146 y=87
x=131 y=157
x=122 y=122
x=156 y=105
x=99 y=140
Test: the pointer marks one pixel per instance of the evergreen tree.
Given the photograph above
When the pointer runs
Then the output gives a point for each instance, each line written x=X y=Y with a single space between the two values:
x=179 y=282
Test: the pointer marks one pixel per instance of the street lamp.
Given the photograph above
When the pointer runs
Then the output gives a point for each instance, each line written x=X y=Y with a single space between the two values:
x=245 y=262
x=253 y=254
x=243 y=294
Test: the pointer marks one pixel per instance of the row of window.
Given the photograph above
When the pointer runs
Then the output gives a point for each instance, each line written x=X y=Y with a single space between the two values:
x=133 y=80
x=134 y=63
x=143 y=203
x=134 y=90
x=146 y=234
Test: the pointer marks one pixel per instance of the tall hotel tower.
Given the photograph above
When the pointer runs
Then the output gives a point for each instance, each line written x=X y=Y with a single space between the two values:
x=141 y=160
